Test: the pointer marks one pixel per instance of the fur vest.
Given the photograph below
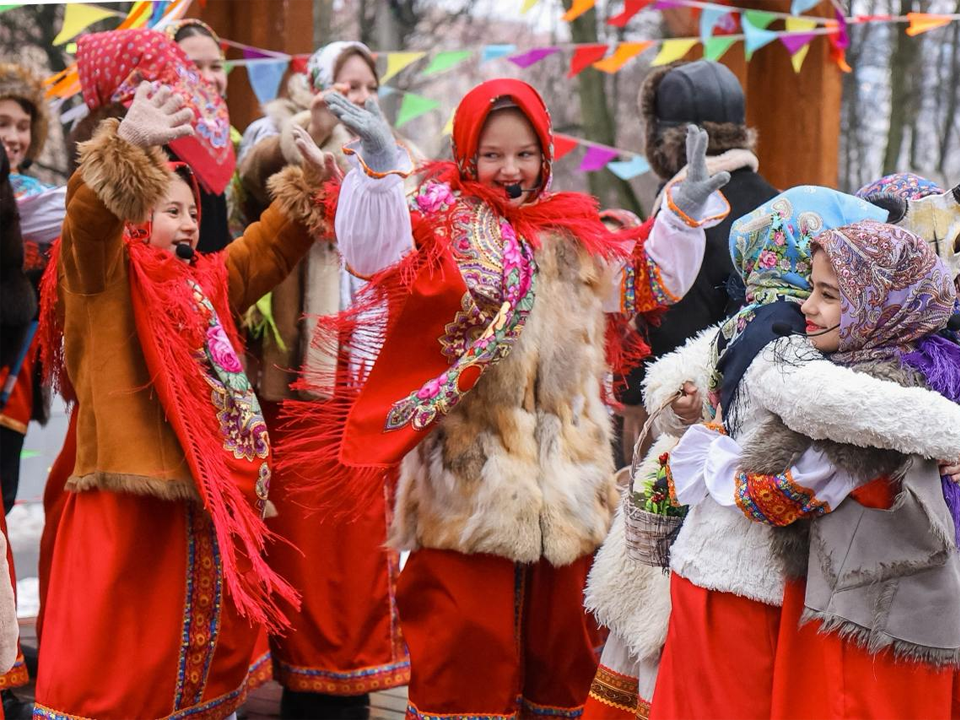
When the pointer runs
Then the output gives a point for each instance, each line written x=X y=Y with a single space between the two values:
x=522 y=467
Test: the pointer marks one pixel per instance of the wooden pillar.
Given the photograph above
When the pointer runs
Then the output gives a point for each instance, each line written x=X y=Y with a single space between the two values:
x=282 y=25
x=796 y=115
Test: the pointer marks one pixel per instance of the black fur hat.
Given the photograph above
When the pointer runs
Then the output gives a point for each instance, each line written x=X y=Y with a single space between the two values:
x=703 y=93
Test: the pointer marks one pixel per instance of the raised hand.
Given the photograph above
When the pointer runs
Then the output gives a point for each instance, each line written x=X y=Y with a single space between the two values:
x=368 y=123
x=691 y=195
x=322 y=163
x=155 y=119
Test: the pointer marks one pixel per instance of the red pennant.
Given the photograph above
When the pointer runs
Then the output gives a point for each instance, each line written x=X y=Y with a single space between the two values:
x=298 y=64
x=584 y=57
x=562 y=145
x=630 y=8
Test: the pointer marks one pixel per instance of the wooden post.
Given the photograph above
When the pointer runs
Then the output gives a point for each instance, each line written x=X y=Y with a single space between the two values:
x=282 y=25
x=796 y=115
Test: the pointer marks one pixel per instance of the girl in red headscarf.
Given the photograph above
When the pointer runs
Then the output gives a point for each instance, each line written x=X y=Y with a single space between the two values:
x=474 y=360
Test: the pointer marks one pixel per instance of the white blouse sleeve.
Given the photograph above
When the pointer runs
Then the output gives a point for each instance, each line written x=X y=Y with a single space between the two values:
x=706 y=462
x=41 y=215
x=673 y=253
x=373 y=223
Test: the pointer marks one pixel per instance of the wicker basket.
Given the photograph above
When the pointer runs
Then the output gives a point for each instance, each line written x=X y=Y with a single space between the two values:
x=648 y=535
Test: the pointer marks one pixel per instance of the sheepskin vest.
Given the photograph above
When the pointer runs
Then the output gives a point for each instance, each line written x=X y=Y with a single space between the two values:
x=522 y=468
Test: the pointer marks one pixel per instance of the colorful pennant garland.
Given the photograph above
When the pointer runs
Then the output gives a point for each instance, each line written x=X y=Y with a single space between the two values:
x=625 y=52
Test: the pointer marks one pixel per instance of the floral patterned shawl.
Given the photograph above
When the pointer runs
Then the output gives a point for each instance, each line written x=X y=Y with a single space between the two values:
x=894 y=290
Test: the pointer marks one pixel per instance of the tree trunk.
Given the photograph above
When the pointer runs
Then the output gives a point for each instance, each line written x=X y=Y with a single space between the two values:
x=597 y=119
x=322 y=22
x=902 y=83
x=953 y=97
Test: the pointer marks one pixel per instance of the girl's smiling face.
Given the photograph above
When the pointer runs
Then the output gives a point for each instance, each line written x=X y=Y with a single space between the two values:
x=509 y=153
x=822 y=308
x=14 y=131
x=357 y=80
x=205 y=54
x=175 y=219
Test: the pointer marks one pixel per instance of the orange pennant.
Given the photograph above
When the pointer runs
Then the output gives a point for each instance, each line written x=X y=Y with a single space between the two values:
x=578 y=8
x=922 y=22
x=625 y=52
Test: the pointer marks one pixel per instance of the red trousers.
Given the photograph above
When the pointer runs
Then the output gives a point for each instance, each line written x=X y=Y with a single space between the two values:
x=138 y=622
x=345 y=640
x=824 y=677
x=718 y=658
x=493 y=639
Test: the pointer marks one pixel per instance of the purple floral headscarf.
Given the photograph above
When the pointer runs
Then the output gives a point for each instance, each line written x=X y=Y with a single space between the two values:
x=894 y=290
x=906 y=186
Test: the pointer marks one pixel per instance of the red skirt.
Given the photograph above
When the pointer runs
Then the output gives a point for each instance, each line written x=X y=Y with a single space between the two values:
x=824 y=677
x=718 y=658
x=345 y=640
x=138 y=622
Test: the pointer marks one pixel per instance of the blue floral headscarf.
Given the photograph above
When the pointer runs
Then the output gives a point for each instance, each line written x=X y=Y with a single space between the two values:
x=770 y=248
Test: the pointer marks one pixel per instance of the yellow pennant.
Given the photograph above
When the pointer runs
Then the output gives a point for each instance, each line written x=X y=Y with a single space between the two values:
x=674 y=49
x=795 y=24
x=527 y=5
x=448 y=128
x=578 y=8
x=397 y=61
x=922 y=22
x=76 y=18
x=798 y=57
x=624 y=52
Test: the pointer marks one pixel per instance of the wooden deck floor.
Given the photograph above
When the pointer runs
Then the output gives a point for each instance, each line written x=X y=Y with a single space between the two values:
x=264 y=702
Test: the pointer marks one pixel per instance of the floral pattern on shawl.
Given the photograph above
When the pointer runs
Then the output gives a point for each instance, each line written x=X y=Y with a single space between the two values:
x=894 y=290
x=905 y=186
x=499 y=271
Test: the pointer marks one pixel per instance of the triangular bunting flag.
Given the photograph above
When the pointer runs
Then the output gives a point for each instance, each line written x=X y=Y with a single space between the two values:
x=76 y=18
x=137 y=17
x=755 y=38
x=584 y=56
x=759 y=18
x=578 y=8
x=492 y=52
x=715 y=47
x=630 y=8
x=798 y=37
x=413 y=106
x=708 y=20
x=532 y=57
x=596 y=158
x=625 y=52
x=562 y=145
x=265 y=78
x=448 y=128
x=798 y=57
x=385 y=91
x=446 y=60
x=397 y=61
x=800 y=6
x=298 y=64
x=675 y=49
x=922 y=22
x=629 y=169
x=527 y=4
x=4 y=8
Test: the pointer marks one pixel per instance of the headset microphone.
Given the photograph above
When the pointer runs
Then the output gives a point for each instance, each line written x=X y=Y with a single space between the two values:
x=783 y=329
x=184 y=251
x=514 y=191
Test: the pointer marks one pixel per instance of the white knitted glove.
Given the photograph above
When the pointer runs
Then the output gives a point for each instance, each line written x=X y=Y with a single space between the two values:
x=157 y=119
x=691 y=195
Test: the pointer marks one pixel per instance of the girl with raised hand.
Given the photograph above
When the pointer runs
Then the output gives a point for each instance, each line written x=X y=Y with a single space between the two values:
x=474 y=361
x=163 y=534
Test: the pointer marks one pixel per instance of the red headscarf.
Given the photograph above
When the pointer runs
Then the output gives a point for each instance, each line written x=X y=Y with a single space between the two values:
x=472 y=113
x=113 y=64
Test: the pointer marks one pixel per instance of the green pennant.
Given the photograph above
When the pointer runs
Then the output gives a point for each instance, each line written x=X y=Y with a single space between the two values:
x=413 y=106
x=8 y=6
x=759 y=18
x=446 y=60
x=228 y=67
x=715 y=47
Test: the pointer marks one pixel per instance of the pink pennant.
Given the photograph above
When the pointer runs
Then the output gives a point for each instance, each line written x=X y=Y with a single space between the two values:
x=597 y=158
x=794 y=41
x=532 y=57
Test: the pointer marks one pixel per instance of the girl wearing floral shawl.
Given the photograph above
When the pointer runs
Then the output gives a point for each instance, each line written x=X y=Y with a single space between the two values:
x=729 y=566
x=473 y=365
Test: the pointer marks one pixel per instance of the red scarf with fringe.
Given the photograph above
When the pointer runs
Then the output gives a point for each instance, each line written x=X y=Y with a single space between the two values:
x=188 y=338
x=421 y=333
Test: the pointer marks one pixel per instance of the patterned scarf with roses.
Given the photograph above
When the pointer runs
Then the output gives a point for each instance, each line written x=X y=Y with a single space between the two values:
x=189 y=342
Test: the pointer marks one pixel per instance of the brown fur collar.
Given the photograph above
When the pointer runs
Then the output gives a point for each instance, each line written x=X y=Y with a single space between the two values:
x=129 y=180
x=297 y=190
x=666 y=149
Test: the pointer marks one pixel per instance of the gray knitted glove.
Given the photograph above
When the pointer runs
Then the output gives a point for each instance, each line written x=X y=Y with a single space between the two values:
x=691 y=195
x=155 y=120
x=368 y=123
